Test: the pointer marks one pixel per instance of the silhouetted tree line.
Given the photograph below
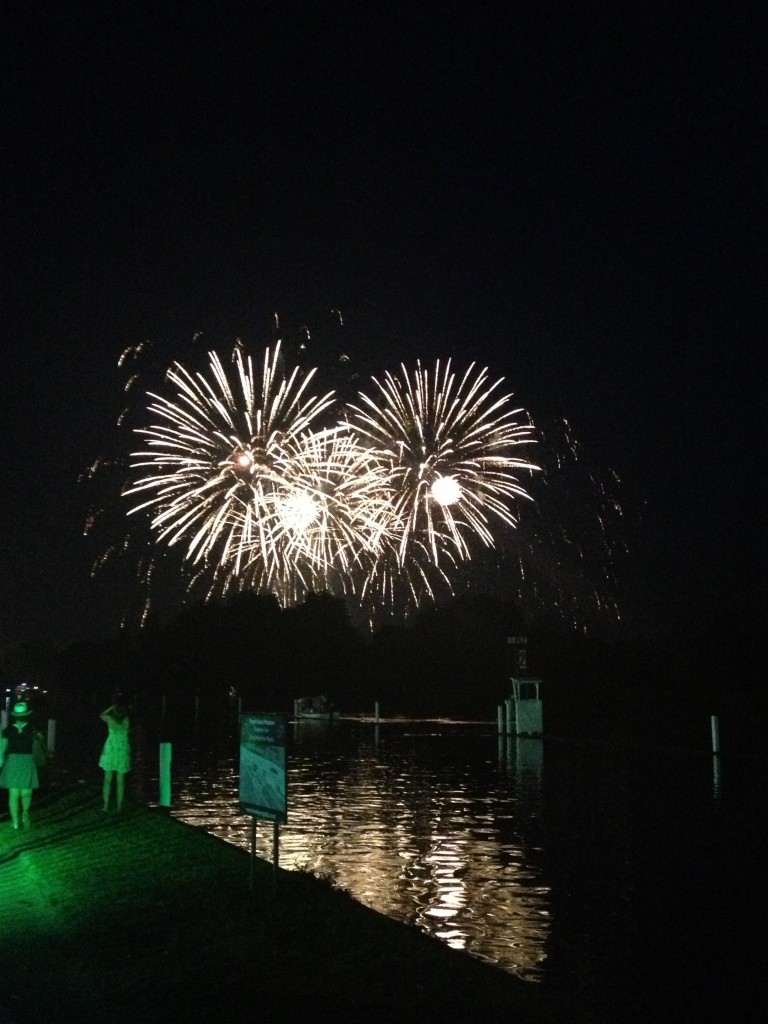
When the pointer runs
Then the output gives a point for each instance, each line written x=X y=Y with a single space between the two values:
x=448 y=661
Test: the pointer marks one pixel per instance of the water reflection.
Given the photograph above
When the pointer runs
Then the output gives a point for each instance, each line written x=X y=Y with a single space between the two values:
x=425 y=826
x=593 y=866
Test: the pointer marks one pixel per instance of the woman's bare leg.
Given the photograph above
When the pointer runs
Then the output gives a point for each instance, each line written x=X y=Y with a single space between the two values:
x=13 y=806
x=106 y=789
x=120 y=789
x=26 y=803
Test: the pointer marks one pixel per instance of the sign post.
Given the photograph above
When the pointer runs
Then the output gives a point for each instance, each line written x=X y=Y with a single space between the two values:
x=263 y=776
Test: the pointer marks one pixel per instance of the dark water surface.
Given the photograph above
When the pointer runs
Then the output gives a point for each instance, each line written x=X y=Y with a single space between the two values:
x=631 y=880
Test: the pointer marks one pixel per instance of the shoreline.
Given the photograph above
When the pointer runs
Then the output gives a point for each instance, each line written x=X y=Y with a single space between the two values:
x=140 y=917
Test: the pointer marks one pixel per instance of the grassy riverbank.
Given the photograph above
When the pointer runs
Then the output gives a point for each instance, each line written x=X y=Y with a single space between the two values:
x=138 y=918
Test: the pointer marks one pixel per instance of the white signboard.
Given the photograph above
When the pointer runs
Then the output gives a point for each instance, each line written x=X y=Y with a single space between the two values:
x=263 y=767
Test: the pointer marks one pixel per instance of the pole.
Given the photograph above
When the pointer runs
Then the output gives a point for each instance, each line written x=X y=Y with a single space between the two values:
x=715 y=727
x=508 y=705
x=165 y=774
x=275 y=854
x=376 y=712
x=253 y=851
x=51 y=744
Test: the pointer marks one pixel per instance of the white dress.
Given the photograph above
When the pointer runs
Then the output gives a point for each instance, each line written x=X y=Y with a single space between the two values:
x=116 y=755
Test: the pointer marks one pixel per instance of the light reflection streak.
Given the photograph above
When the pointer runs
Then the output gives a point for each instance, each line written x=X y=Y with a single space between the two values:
x=436 y=848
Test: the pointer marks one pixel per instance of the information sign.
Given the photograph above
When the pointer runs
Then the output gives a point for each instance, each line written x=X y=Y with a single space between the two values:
x=263 y=767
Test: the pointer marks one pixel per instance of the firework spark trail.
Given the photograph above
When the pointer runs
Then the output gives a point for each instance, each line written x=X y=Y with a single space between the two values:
x=259 y=486
x=332 y=509
x=246 y=481
x=570 y=539
x=450 y=442
x=387 y=501
x=216 y=455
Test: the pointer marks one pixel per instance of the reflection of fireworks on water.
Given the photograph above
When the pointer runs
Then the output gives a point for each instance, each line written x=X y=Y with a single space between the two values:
x=246 y=481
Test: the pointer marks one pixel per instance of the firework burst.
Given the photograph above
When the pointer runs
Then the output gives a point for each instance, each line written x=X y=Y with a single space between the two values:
x=454 y=447
x=332 y=515
x=215 y=463
x=260 y=484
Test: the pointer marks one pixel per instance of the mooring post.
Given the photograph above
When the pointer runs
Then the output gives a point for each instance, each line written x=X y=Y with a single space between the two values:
x=715 y=727
x=165 y=774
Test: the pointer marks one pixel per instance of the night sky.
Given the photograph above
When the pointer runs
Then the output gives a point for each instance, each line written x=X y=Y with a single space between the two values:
x=572 y=195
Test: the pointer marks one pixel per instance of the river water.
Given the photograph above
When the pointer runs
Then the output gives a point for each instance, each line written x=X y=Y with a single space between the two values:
x=632 y=878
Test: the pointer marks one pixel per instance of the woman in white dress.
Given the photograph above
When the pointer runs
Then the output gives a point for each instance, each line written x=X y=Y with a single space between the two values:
x=115 y=757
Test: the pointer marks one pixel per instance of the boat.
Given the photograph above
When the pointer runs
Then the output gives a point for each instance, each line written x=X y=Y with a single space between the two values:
x=318 y=708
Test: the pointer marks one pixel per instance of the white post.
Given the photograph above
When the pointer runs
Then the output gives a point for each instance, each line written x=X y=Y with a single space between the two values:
x=508 y=704
x=376 y=712
x=165 y=774
x=51 y=735
x=715 y=726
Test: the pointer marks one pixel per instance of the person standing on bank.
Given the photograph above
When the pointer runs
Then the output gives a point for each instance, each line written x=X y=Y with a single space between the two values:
x=115 y=757
x=19 y=772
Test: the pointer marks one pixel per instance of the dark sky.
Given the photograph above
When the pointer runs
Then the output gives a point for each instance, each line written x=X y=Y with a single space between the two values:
x=572 y=195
